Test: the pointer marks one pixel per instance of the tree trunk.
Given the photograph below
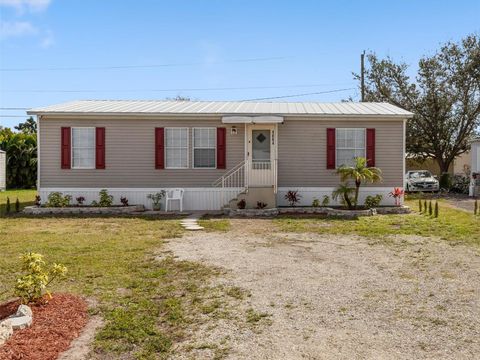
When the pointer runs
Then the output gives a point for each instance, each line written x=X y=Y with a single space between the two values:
x=357 y=190
x=444 y=165
x=347 y=200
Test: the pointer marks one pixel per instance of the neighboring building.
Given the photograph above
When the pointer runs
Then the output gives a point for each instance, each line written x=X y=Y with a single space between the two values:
x=3 y=170
x=475 y=157
x=215 y=150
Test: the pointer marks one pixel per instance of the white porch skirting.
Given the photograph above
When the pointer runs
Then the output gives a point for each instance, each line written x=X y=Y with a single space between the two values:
x=193 y=198
x=309 y=193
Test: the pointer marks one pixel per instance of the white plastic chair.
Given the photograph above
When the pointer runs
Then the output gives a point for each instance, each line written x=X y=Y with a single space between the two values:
x=173 y=195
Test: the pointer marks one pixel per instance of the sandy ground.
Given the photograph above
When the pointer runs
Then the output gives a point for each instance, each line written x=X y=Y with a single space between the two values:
x=467 y=204
x=339 y=297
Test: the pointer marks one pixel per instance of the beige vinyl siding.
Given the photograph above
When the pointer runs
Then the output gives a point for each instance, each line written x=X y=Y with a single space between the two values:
x=302 y=160
x=130 y=155
x=130 y=152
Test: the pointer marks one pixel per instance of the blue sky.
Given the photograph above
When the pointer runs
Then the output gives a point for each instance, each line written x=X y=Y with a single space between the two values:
x=293 y=47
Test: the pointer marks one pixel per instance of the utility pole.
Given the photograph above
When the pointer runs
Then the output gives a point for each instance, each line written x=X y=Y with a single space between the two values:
x=362 y=74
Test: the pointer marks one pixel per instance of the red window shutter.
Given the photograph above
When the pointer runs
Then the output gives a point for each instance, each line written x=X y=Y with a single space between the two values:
x=370 y=147
x=221 y=148
x=65 y=148
x=331 y=149
x=100 y=148
x=159 y=148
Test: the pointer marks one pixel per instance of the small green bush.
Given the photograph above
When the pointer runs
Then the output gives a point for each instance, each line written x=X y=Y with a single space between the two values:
x=32 y=286
x=105 y=199
x=56 y=199
x=7 y=207
x=419 y=205
x=475 y=209
x=373 y=201
x=326 y=200
x=315 y=203
x=435 y=213
x=425 y=206
x=430 y=209
x=17 y=205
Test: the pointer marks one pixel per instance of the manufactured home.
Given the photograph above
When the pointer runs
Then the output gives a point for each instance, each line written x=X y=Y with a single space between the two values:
x=216 y=150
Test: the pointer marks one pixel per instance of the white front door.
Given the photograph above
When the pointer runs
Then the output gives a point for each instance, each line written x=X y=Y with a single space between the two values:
x=261 y=155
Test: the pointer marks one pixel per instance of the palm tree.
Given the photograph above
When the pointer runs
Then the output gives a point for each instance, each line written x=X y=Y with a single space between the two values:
x=359 y=173
x=344 y=191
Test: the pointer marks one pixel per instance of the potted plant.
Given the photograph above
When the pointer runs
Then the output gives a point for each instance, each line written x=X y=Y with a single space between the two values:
x=157 y=200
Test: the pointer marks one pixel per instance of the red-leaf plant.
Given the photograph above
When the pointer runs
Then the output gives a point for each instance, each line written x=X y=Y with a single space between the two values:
x=397 y=194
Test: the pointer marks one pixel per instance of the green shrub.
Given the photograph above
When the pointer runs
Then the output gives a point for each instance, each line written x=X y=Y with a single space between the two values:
x=419 y=205
x=373 y=201
x=315 y=203
x=430 y=209
x=475 y=209
x=7 y=207
x=32 y=286
x=436 y=209
x=17 y=205
x=326 y=200
x=105 y=199
x=56 y=199
x=425 y=206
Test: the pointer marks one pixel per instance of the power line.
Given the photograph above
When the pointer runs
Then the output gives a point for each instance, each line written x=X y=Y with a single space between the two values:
x=297 y=95
x=150 y=66
x=167 y=90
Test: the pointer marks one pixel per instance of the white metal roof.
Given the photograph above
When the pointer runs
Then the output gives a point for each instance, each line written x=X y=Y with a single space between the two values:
x=157 y=107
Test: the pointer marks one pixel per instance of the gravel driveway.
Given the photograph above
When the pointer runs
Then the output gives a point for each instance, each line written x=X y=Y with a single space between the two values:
x=338 y=297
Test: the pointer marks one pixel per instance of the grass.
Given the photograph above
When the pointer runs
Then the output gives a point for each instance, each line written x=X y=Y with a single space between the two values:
x=26 y=198
x=146 y=301
x=212 y=225
x=452 y=224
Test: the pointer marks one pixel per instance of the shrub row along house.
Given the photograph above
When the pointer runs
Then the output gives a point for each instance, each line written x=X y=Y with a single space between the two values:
x=215 y=150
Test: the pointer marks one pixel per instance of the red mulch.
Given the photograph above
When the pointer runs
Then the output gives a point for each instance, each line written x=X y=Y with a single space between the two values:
x=54 y=326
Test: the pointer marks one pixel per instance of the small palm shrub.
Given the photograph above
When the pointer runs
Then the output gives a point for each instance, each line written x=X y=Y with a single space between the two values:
x=435 y=212
x=156 y=199
x=7 y=206
x=373 y=201
x=315 y=203
x=342 y=193
x=32 y=286
x=17 y=205
x=57 y=199
x=430 y=209
x=293 y=197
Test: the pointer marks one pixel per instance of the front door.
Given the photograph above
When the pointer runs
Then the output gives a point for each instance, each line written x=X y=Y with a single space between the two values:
x=261 y=155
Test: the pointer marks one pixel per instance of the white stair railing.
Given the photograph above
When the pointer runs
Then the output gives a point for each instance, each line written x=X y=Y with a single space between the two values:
x=234 y=178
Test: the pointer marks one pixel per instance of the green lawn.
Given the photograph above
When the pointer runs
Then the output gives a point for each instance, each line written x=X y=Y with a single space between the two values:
x=25 y=197
x=452 y=224
x=147 y=303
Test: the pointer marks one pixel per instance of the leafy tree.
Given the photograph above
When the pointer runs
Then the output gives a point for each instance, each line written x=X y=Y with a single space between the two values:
x=444 y=96
x=21 y=149
x=359 y=173
x=27 y=127
x=343 y=191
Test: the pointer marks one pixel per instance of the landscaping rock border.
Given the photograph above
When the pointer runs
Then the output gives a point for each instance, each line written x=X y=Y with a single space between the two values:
x=75 y=210
x=325 y=211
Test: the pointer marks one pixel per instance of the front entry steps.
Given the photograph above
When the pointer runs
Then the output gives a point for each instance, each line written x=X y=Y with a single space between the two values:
x=191 y=222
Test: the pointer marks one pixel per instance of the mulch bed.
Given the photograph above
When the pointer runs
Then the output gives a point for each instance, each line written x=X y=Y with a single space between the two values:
x=55 y=325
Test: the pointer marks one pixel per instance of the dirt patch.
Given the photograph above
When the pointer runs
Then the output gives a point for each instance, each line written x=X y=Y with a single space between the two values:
x=80 y=347
x=338 y=297
x=54 y=326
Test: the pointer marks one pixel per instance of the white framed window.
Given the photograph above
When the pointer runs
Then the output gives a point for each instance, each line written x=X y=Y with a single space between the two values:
x=83 y=148
x=204 y=142
x=350 y=144
x=176 y=148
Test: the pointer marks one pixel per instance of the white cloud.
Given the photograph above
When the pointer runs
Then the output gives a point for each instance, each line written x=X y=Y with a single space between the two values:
x=23 y=5
x=47 y=40
x=16 y=29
